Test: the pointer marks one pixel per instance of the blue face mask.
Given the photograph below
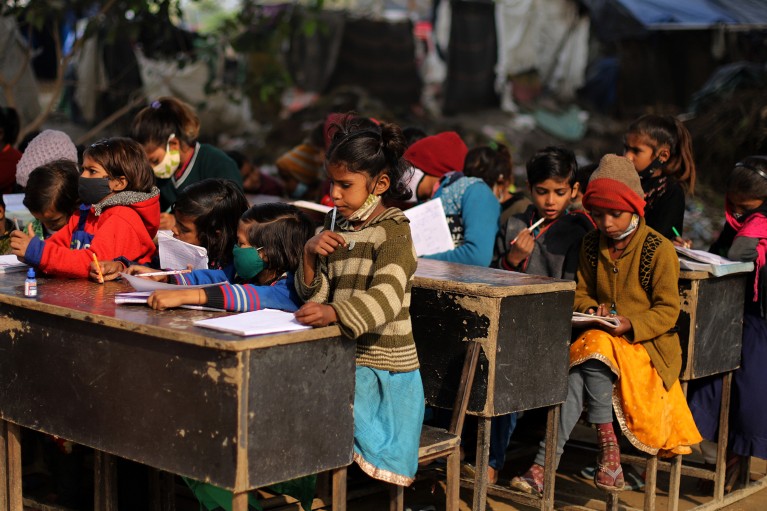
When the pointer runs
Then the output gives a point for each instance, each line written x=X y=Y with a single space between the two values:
x=247 y=262
x=299 y=191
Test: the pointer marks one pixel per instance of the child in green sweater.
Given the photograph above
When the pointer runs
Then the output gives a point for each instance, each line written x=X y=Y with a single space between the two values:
x=358 y=273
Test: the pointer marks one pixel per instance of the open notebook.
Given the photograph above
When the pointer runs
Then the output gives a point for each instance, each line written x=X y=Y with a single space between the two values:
x=699 y=260
x=581 y=320
x=265 y=321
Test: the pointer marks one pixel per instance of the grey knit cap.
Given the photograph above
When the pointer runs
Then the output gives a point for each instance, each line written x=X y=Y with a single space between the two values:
x=47 y=147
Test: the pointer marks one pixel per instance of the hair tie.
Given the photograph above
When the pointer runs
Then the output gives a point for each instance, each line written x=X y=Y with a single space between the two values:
x=156 y=104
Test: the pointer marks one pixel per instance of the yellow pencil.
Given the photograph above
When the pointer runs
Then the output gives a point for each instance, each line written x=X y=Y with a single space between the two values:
x=98 y=268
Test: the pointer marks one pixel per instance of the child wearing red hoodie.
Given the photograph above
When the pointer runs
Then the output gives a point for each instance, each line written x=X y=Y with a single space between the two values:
x=120 y=214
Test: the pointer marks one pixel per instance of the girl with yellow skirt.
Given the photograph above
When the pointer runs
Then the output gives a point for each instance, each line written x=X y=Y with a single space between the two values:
x=629 y=272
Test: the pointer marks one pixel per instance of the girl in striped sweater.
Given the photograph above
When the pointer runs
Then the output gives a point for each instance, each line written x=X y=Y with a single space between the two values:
x=270 y=241
x=358 y=273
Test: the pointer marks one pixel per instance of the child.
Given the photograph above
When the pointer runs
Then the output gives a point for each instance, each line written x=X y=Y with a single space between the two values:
x=48 y=146
x=168 y=130
x=119 y=215
x=253 y=180
x=432 y=157
x=744 y=238
x=51 y=196
x=629 y=272
x=551 y=249
x=358 y=272
x=270 y=244
x=660 y=147
x=9 y=156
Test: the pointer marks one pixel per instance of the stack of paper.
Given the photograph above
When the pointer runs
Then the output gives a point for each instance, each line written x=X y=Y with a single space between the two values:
x=179 y=255
x=699 y=260
x=266 y=321
x=9 y=263
x=581 y=320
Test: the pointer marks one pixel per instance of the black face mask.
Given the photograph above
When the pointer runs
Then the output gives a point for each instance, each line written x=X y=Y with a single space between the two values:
x=652 y=167
x=93 y=189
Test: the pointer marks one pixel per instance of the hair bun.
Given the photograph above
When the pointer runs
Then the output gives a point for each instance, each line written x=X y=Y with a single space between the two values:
x=394 y=142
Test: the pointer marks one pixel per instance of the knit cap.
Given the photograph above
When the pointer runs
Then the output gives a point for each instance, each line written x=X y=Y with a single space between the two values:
x=615 y=185
x=47 y=147
x=302 y=162
x=438 y=154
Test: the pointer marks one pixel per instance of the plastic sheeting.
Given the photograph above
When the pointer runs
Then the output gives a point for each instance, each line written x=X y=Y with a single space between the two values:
x=12 y=51
x=549 y=36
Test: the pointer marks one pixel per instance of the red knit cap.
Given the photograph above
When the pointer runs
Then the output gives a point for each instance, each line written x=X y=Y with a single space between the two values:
x=615 y=185
x=438 y=154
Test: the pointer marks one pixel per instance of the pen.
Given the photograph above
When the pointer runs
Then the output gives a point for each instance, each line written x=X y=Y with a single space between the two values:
x=333 y=219
x=679 y=237
x=98 y=268
x=159 y=273
x=530 y=229
x=16 y=221
x=676 y=233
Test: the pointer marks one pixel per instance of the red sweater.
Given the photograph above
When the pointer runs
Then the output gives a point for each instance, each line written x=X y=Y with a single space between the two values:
x=120 y=230
x=9 y=157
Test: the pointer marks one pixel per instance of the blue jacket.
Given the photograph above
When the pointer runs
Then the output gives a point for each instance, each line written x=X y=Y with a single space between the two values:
x=244 y=297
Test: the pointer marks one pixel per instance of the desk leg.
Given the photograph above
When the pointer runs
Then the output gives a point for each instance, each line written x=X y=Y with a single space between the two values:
x=721 y=448
x=162 y=490
x=651 y=480
x=240 y=501
x=481 y=464
x=339 y=489
x=549 y=468
x=104 y=482
x=10 y=464
x=675 y=480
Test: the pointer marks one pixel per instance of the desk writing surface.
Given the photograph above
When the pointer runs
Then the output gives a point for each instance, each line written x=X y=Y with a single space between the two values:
x=522 y=323
x=148 y=386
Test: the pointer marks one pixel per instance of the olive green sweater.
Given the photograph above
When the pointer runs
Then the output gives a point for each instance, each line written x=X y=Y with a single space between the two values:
x=368 y=284
x=643 y=286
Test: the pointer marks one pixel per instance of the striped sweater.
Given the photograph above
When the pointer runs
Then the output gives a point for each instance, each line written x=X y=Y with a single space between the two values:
x=368 y=284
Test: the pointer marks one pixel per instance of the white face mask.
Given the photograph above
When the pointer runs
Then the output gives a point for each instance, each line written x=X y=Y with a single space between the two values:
x=169 y=163
x=631 y=228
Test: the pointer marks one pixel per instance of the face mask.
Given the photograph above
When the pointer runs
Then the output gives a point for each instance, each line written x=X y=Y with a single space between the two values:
x=93 y=189
x=247 y=262
x=169 y=163
x=631 y=228
x=367 y=208
x=652 y=167
x=299 y=191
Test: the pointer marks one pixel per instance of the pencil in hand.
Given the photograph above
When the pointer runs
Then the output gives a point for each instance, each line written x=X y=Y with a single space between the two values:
x=98 y=268
x=529 y=229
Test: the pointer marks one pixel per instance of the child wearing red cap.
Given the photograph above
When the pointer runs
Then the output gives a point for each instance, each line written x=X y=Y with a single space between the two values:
x=471 y=208
x=629 y=272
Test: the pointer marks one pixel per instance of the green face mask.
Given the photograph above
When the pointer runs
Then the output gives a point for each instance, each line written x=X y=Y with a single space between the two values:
x=247 y=262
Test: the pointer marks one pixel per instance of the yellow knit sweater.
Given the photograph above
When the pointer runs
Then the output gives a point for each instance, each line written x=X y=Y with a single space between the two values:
x=641 y=285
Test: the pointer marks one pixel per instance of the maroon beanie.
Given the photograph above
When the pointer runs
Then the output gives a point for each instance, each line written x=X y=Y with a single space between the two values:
x=438 y=154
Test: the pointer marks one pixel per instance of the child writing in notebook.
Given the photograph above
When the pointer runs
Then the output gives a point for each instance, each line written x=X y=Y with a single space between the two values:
x=270 y=244
x=550 y=249
x=628 y=271
x=660 y=147
x=205 y=214
x=51 y=196
x=743 y=238
x=119 y=216
x=358 y=273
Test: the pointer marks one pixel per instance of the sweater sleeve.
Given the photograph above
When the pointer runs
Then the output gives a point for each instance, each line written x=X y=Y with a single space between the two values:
x=248 y=297
x=392 y=269
x=664 y=308
x=743 y=248
x=200 y=277
x=116 y=236
x=480 y=211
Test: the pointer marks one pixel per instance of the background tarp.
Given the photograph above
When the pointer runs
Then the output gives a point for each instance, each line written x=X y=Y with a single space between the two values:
x=13 y=49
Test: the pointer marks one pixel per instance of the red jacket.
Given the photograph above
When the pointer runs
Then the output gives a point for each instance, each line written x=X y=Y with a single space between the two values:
x=121 y=230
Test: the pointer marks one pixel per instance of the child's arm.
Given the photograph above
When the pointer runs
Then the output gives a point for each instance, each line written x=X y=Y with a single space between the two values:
x=743 y=248
x=311 y=282
x=586 y=286
x=393 y=267
x=480 y=212
x=198 y=277
x=664 y=310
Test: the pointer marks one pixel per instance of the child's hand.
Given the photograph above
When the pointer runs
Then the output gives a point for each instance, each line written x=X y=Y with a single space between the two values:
x=324 y=243
x=521 y=248
x=622 y=329
x=110 y=270
x=137 y=269
x=316 y=314
x=19 y=243
x=168 y=298
x=681 y=242
x=167 y=221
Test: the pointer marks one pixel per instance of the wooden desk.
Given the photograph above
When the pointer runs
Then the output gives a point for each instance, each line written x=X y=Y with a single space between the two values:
x=149 y=386
x=522 y=323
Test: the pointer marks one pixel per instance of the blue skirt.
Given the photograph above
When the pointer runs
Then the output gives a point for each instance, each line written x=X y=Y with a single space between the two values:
x=388 y=414
x=748 y=406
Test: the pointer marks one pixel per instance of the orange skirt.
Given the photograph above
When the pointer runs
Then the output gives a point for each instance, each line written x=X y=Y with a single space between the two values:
x=654 y=420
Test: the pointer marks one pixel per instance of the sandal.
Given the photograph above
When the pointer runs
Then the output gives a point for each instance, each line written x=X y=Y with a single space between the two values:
x=609 y=474
x=530 y=482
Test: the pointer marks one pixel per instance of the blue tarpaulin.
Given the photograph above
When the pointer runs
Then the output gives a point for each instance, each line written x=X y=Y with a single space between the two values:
x=618 y=19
